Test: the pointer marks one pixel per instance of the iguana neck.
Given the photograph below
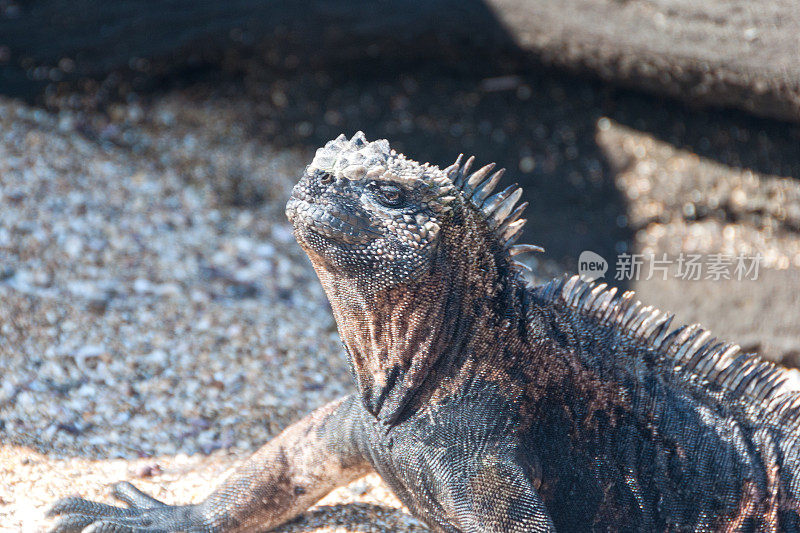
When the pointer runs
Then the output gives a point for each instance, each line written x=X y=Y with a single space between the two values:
x=400 y=338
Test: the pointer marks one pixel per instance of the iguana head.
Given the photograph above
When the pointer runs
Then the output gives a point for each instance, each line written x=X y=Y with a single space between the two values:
x=369 y=214
x=362 y=208
x=406 y=252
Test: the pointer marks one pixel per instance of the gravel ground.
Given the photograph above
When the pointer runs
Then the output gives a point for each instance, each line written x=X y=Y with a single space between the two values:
x=132 y=305
x=158 y=323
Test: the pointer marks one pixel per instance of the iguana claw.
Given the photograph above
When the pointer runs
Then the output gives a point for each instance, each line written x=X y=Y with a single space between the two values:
x=143 y=514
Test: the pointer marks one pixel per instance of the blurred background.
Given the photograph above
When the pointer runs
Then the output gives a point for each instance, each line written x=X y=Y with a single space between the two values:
x=157 y=320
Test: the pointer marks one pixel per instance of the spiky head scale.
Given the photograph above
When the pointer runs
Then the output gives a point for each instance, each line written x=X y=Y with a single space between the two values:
x=358 y=159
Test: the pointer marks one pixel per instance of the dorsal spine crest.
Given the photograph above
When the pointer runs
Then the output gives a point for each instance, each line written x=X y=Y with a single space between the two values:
x=690 y=350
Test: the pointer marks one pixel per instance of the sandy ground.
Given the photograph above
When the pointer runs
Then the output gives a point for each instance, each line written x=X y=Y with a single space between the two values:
x=366 y=505
x=158 y=323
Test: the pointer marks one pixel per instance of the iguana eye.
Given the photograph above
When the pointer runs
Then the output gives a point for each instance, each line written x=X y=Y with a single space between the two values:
x=389 y=195
x=326 y=178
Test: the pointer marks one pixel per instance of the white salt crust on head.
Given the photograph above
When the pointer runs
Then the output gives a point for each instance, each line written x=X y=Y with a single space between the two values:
x=356 y=159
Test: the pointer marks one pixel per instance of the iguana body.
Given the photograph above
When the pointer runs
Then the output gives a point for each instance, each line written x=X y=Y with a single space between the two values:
x=488 y=405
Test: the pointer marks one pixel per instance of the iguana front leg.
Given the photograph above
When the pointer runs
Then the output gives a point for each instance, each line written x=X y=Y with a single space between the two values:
x=286 y=476
x=492 y=491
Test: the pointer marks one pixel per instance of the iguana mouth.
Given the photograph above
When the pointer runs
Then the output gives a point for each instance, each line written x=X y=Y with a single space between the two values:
x=329 y=221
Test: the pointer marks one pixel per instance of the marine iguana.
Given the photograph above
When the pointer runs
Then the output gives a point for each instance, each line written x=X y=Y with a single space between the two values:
x=489 y=405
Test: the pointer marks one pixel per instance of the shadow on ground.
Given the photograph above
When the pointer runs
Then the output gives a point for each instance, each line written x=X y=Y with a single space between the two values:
x=730 y=137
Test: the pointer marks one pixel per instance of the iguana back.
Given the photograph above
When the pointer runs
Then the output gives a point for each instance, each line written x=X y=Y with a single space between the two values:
x=672 y=429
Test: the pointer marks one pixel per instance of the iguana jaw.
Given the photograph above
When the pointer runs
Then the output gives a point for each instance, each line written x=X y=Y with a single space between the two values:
x=331 y=222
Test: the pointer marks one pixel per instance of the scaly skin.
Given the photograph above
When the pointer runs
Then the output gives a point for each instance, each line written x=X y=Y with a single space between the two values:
x=488 y=405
